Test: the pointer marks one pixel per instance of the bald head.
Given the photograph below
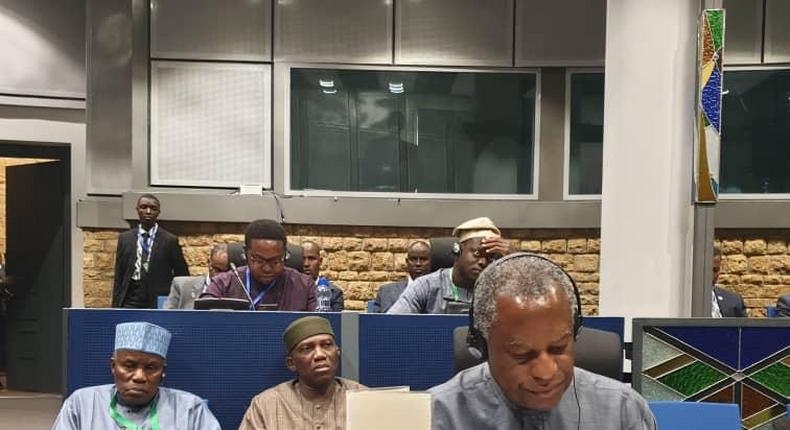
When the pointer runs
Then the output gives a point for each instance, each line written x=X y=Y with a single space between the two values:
x=418 y=258
x=311 y=253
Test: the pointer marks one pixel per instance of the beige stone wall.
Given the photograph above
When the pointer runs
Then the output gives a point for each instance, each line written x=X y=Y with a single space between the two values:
x=356 y=259
x=756 y=265
x=5 y=162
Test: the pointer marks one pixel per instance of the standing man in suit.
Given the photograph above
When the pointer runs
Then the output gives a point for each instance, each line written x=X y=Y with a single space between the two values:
x=724 y=303
x=418 y=262
x=311 y=266
x=146 y=260
x=186 y=289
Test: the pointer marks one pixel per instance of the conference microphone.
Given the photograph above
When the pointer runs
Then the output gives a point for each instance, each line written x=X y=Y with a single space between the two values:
x=243 y=285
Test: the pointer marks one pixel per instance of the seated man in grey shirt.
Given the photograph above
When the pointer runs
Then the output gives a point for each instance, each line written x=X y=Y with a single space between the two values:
x=525 y=310
x=185 y=289
x=479 y=243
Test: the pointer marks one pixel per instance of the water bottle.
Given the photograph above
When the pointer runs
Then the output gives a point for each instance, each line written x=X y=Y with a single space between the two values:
x=323 y=296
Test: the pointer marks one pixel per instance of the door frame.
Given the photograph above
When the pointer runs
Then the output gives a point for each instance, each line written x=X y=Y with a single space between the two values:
x=56 y=153
x=34 y=138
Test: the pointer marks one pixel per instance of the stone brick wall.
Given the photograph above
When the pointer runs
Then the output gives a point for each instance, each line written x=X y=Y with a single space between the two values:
x=356 y=259
x=756 y=265
x=5 y=162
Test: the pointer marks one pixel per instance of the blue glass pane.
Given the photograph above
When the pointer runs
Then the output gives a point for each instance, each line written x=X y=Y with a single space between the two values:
x=720 y=343
x=711 y=98
x=758 y=343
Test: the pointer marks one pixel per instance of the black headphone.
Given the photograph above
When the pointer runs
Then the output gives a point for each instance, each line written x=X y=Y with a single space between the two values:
x=475 y=341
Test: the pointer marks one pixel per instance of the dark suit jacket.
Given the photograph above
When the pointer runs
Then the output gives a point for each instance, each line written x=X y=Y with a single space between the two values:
x=337 y=301
x=730 y=304
x=783 y=307
x=388 y=294
x=166 y=262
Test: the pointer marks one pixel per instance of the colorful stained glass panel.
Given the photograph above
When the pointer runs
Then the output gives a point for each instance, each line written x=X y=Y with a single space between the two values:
x=657 y=351
x=759 y=382
x=692 y=379
x=711 y=98
x=718 y=342
x=722 y=396
x=759 y=344
x=709 y=73
x=776 y=378
x=715 y=18
x=753 y=402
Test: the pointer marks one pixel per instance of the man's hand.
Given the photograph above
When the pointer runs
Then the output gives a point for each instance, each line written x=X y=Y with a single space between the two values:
x=496 y=246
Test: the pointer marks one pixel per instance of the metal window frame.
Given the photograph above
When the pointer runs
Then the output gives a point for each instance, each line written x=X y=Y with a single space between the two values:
x=753 y=196
x=282 y=76
x=566 y=169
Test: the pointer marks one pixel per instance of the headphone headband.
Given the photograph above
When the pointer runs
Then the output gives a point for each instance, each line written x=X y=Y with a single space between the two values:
x=475 y=341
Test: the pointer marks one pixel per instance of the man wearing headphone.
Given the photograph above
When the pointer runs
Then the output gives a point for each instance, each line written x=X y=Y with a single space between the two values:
x=528 y=313
x=450 y=290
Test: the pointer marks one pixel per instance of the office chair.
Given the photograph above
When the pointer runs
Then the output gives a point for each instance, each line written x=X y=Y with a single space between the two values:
x=294 y=257
x=442 y=255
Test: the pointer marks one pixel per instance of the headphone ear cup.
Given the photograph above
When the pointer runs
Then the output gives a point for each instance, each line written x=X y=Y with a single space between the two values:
x=456 y=248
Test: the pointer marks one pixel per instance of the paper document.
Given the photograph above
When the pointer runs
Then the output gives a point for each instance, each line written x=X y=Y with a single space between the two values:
x=388 y=409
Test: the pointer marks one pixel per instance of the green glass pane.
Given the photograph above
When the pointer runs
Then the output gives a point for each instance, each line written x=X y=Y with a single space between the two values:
x=692 y=378
x=715 y=24
x=775 y=377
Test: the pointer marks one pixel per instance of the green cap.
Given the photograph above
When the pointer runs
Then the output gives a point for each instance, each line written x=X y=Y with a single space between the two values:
x=303 y=328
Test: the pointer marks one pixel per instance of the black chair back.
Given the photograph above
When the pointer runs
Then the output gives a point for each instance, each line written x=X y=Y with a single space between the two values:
x=597 y=351
x=294 y=257
x=442 y=253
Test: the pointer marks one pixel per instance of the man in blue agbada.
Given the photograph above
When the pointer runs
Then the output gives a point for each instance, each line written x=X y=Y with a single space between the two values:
x=135 y=401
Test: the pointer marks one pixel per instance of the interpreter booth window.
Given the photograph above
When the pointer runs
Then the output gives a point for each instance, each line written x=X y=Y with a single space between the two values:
x=584 y=134
x=415 y=132
x=755 y=137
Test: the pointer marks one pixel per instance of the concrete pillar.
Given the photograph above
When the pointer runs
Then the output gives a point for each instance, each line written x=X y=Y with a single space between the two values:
x=647 y=223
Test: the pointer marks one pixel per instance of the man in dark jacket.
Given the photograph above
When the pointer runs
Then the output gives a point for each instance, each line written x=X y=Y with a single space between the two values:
x=724 y=303
x=146 y=260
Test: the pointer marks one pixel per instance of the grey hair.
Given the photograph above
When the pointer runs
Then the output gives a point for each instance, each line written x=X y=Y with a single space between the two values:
x=518 y=275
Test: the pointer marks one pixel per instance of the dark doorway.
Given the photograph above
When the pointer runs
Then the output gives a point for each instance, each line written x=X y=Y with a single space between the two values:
x=38 y=260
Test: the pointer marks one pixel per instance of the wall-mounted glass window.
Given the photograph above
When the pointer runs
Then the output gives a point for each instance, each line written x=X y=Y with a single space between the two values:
x=416 y=132
x=584 y=134
x=755 y=143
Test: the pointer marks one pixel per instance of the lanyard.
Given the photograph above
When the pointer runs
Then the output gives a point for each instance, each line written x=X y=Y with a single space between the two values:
x=261 y=293
x=146 y=245
x=122 y=421
x=456 y=293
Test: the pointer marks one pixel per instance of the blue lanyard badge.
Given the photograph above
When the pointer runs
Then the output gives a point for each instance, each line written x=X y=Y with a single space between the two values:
x=261 y=293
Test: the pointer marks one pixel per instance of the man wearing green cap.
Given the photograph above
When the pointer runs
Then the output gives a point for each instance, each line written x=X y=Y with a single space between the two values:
x=316 y=399
x=135 y=401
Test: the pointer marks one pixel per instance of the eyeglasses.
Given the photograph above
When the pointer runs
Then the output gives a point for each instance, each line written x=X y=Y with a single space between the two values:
x=273 y=262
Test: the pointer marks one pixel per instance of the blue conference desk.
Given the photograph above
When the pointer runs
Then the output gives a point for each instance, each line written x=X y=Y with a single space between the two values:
x=228 y=357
